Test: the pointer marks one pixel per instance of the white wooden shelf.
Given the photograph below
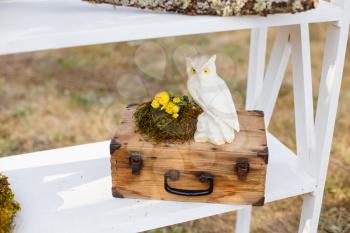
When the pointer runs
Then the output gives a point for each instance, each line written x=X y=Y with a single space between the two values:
x=69 y=190
x=31 y=25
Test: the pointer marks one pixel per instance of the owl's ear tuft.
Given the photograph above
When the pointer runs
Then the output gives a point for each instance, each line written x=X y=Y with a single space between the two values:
x=212 y=59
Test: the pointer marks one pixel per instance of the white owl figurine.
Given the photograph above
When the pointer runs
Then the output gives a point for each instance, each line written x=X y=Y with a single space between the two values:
x=219 y=119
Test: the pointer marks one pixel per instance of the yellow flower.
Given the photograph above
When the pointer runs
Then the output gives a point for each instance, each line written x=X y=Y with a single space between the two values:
x=175 y=115
x=172 y=108
x=176 y=109
x=176 y=100
x=162 y=98
x=155 y=104
x=169 y=108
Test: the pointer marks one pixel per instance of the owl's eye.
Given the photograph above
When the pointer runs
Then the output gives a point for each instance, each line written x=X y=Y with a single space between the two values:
x=206 y=71
x=193 y=71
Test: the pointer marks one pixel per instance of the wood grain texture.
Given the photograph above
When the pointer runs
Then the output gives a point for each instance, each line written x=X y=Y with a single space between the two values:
x=190 y=159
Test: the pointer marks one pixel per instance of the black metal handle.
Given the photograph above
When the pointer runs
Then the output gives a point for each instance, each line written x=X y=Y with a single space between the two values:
x=202 y=176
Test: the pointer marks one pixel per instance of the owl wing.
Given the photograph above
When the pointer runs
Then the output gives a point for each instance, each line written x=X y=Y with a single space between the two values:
x=192 y=87
x=222 y=107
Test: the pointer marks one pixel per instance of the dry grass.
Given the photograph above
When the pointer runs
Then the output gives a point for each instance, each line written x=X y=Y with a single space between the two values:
x=72 y=96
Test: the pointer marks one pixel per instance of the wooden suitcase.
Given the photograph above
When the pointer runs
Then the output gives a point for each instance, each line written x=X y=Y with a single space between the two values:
x=198 y=172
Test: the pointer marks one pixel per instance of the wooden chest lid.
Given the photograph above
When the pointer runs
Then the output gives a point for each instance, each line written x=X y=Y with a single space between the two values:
x=250 y=141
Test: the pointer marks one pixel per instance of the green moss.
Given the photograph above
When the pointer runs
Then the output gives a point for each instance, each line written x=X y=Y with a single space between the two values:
x=157 y=125
x=8 y=206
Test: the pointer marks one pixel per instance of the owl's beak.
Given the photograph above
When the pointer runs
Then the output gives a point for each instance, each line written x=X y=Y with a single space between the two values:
x=202 y=80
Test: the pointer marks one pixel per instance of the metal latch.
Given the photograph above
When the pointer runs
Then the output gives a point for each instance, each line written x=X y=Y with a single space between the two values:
x=242 y=168
x=135 y=162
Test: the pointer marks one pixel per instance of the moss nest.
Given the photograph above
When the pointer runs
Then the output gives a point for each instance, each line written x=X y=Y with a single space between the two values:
x=8 y=206
x=156 y=124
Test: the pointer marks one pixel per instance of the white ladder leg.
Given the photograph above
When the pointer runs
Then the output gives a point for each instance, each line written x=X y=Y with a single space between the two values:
x=257 y=53
x=243 y=220
x=303 y=99
x=275 y=73
x=332 y=71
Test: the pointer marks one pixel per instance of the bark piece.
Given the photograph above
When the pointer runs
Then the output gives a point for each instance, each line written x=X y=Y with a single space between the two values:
x=218 y=7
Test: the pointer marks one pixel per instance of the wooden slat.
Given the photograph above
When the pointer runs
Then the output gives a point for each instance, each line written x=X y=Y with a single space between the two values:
x=275 y=73
x=248 y=141
x=33 y=25
x=303 y=98
x=244 y=216
x=150 y=183
x=257 y=53
x=332 y=72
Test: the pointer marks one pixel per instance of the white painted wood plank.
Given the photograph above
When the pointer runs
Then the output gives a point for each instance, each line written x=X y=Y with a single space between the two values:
x=345 y=4
x=302 y=89
x=31 y=25
x=257 y=53
x=243 y=219
x=327 y=104
x=69 y=190
x=283 y=166
x=332 y=72
x=275 y=73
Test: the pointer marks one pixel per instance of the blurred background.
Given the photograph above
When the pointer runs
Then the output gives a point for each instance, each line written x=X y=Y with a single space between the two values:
x=73 y=96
